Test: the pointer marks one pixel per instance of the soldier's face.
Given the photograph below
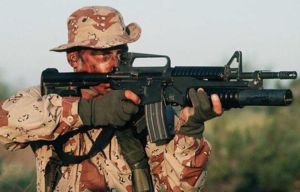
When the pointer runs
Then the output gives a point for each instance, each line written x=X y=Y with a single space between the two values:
x=96 y=61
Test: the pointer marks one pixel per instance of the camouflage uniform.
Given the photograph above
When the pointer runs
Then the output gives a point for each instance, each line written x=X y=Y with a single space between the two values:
x=28 y=117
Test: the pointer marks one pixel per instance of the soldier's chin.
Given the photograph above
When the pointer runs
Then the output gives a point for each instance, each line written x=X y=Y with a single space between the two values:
x=88 y=93
x=101 y=90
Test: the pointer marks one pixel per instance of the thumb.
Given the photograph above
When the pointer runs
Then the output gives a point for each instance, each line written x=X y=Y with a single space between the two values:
x=193 y=97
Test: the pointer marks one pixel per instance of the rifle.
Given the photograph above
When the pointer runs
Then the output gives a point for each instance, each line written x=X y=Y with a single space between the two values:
x=164 y=86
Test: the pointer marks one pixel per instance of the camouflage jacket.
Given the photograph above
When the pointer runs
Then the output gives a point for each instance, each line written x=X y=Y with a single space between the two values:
x=27 y=117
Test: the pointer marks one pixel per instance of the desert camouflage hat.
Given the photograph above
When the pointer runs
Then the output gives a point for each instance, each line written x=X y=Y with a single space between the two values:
x=98 y=27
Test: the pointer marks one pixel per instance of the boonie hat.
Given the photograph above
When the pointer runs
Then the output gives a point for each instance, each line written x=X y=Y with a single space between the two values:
x=98 y=27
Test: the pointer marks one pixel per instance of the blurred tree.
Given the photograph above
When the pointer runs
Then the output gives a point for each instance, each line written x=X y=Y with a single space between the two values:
x=256 y=149
x=14 y=176
x=4 y=91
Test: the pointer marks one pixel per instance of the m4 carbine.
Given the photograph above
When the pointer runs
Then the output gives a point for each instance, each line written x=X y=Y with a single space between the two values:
x=165 y=86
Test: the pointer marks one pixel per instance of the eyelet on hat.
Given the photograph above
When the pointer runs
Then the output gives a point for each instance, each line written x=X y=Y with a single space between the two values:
x=98 y=27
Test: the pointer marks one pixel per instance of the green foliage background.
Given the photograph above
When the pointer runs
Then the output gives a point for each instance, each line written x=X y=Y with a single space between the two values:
x=14 y=177
x=255 y=149
x=4 y=91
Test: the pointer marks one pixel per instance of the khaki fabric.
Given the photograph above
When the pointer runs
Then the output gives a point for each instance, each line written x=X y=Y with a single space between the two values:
x=179 y=165
x=98 y=27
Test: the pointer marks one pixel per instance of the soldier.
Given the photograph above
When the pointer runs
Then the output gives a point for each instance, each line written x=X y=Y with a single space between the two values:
x=63 y=130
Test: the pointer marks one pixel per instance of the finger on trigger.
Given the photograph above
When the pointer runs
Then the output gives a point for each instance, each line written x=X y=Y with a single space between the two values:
x=132 y=97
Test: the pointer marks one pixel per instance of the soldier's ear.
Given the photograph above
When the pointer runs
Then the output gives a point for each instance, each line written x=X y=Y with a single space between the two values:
x=73 y=57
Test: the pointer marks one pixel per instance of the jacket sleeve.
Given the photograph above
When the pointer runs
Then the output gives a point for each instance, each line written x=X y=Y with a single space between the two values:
x=28 y=116
x=181 y=164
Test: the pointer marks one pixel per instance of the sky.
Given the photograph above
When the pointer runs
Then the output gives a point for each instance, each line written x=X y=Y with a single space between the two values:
x=191 y=32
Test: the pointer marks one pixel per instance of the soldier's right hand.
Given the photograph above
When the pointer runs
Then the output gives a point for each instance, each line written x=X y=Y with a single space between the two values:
x=114 y=108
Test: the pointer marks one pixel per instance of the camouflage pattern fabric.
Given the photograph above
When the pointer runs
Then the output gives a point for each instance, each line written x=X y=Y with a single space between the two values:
x=98 y=27
x=179 y=165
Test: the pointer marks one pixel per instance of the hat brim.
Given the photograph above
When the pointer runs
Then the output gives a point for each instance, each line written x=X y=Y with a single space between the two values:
x=133 y=33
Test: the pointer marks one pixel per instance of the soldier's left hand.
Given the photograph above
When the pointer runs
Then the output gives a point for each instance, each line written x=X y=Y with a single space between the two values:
x=203 y=108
